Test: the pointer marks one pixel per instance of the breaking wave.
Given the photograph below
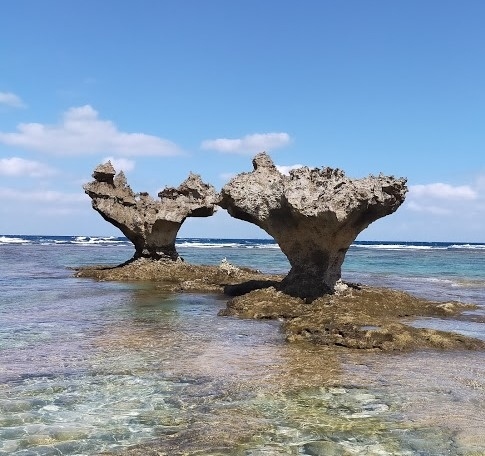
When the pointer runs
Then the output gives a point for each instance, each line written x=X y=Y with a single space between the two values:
x=13 y=240
x=218 y=243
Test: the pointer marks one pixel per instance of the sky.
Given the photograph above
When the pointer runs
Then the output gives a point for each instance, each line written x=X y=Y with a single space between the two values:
x=166 y=87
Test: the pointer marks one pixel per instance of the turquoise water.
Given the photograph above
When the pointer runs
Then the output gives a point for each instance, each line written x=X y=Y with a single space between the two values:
x=87 y=366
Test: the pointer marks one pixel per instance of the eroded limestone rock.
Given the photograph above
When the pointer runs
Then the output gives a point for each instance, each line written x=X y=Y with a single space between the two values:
x=313 y=214
x=151 y=225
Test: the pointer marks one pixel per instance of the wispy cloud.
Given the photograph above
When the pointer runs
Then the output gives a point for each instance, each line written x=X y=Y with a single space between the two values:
x=41 y=196
x=429 y=208
x=443 y=191
x=18 y=167
x=121 y=164
x=81 y=131
x=443 y=199
x=59 y=211
x=285 y=169
x=12 y=100
x=249 y=144
x=480 y=183
x=227 y=176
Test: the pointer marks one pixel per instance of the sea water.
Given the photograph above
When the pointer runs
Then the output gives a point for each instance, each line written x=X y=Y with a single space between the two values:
x=89 y=367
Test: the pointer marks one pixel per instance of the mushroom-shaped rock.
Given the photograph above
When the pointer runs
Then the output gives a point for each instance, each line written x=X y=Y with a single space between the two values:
x=151 y=225
x=313 y=214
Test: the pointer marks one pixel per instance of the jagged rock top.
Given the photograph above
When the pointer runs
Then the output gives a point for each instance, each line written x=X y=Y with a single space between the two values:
x=311 y=191
x=314 y=214
x=151 y=225
x=104 y=172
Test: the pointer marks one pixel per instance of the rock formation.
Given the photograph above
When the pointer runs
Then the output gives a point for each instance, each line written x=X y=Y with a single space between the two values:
x=313 y=214
x=151 y=225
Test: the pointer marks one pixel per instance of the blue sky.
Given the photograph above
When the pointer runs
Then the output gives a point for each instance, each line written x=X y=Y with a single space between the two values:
x=167 y=87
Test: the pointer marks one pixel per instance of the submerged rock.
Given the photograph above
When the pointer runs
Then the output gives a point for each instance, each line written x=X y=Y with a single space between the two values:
x=313 y=214
x=359 y=318
x=150 y=225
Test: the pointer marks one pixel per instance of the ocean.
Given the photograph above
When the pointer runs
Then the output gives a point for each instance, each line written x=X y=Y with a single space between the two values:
x=88 y=367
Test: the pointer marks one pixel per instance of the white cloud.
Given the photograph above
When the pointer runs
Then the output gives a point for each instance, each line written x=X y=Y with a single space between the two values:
x=12 y=100
x=480 y=184
x=227 y=176
x=42 y=196
x=429 y=209
x=59 y=211
x=16 y=166
x=121 y=164
x=444 y=199
x=82 y=132
x=250 y=144
x=285 y=169
x=442 y=191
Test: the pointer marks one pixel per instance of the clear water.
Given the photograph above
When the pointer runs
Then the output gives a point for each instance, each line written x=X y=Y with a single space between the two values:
x=87 y=366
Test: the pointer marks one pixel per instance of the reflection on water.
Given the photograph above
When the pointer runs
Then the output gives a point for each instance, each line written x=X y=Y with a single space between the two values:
x=105 y=367
x=468 y=328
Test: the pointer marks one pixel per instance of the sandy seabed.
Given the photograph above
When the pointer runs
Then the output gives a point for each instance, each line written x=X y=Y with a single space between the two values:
x=350 y=351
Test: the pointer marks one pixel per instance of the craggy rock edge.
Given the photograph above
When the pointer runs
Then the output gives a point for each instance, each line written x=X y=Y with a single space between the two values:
x=179 y=276
x=151 y=225
x=355 y=317
x=313 y=214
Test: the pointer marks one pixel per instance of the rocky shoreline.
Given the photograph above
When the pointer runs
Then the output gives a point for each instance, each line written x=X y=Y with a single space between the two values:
x=354 y=316
x=314 y=214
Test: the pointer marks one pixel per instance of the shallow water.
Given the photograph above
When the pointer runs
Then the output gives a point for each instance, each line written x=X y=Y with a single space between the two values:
x=90 y=366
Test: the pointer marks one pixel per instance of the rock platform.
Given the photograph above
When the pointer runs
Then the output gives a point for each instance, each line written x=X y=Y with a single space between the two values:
x=356 y=316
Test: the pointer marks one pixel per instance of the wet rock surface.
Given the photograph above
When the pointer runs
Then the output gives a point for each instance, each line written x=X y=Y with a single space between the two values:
x=356 y=316
x=181 y=276
x=313 y=214
x=359 y=317
x=150 y=225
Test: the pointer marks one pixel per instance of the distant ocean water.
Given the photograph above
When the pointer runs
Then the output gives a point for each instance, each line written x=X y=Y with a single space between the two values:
x=435 y=270
x=90 y=366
